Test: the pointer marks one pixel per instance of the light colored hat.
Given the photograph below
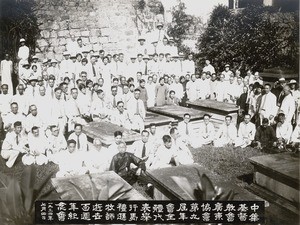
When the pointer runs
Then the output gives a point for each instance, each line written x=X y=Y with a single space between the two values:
x=227 y=65
x=293 y=82
x=141 y=38
x=256 y=74
x=22 y=40
x=146 y=57
x=66 y=53
x=45 y=60
x=282 y=79
x=133 y=57
x=34 y=57
x=159 y=24
x=53 y=61
x=181 y=54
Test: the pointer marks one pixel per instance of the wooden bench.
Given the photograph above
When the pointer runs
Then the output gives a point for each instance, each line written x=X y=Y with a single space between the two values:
x=276 y=176
x=170 y=190
x=177 y=112
x=105 y=132
x=62 y=185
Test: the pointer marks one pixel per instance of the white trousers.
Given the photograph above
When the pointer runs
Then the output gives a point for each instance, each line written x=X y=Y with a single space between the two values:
x=30 y=159
x=11 y=156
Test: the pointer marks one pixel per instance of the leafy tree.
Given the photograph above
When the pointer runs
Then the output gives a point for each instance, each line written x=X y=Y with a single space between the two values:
x=256 y=37
x=181 y=24
x=17 y=20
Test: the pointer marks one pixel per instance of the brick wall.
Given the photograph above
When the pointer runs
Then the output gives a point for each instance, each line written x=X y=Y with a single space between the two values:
x=107 y=24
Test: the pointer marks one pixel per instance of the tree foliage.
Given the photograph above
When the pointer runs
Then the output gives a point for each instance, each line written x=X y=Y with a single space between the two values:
x=181 y=24
x=256 y=37
x=17 y=20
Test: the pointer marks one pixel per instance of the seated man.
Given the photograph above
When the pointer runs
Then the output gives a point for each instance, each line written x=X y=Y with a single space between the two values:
x=184 y=155
x=99 y=108
x=206 y=131
x=186 y=132
x=14 y=143
x=164 y=155
x=284 y=130
x=143 y=149
x=112 y=150
x=81 y=138
x=154 y=136
x=246 y=133
x=226 y=134
x=265 y=136
x=38 y=145
x=93 y=159
x=70 y=162
x=13 y=116
x=56 y=143
x=120 y=116
x=120 y=163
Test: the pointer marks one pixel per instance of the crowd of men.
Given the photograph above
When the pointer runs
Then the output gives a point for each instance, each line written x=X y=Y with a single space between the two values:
x=42 y=119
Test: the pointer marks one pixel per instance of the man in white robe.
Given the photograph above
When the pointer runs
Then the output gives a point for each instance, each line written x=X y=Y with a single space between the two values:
x=227 y=133
x=246 y=133
x=6 y=69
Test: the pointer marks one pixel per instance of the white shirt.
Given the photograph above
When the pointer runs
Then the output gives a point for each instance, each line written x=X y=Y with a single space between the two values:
x=11 y=118
x=268 y=104
x=284 y=130
x=37 y=144
x=23 y=52
x=247 y=131
x=207 y=131
x=82 y=138
x=10 y=142
x=32 y=121
x=288 y=107
x=296 y=134
x=227 y=132
x=209 y=68
x=56 y=143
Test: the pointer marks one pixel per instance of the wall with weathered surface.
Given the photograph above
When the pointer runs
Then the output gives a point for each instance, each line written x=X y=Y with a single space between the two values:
x=102 y=24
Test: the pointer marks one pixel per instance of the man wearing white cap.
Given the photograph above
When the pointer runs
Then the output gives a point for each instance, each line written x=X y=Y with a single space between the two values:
x=142 y=46
x=6 y=69
x=53 y=69
x=36 y=63
x=227 y=73
x=65 y=66
x=23 y=53
x=159 y=33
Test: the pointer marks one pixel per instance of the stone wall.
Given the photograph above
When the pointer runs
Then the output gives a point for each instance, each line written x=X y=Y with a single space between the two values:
x=102 y=24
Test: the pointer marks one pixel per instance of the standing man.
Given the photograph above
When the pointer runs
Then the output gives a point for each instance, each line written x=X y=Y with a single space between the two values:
x=23 y=54
x=268 y=108
x=288 y=105
x=137 y=111
x=6 y=72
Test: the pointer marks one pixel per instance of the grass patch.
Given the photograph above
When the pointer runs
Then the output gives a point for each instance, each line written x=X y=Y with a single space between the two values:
x=227 y=162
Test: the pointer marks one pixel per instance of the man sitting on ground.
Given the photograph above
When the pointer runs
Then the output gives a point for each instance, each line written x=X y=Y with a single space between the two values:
x=246 y=133
x=120 y=163
x=14 y=143
x=70 y=161
x=206 y=131
x=265 y=137
x=38 y=145
x=226 y=134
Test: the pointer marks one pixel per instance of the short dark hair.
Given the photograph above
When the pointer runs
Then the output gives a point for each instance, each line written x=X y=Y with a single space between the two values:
x=57 y=89
x=187 y=114
x=119 y=102
x=137 y=89
x=145 y=131
x=152 y=124
x=206 y=115
x=172 y=91
x=13 y=103
x=228 y=116
x=113 y=87
x=34 y=128
x=71 y=141
x=118 y=133
x=265 y=120
x=173 y=129
x=17 y=123
x=166 y=138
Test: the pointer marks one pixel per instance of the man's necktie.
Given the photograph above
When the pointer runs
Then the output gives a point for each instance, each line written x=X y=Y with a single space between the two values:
x=94 y=71
x=144 y=150
x=206 y=129
x=17 y=139
x=52 y=92
x=186 y=129
x=137 y=108
x=146 y=68
x=78 y=142
x=114 y=102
